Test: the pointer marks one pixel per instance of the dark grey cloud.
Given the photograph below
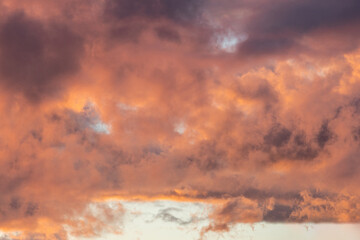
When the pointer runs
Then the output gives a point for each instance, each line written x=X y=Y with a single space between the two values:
x=304 y=16
x=280 y=213
x=310 y=205
x=168 y=34
x=127 y=33
x=324 y=135
x=261 y=195
x=128 y=21
x=34 y=56
x=174 y=10
x=31 y=209
x=258 y=89
x=281 y=143
x=276 y=27
x=297 y=147
x=208 y=157
x=168 y=216
x=249 y=192
x=277 y=136
x=265 y=45
x=355 y=104
x=356 y=133
x=15 y=203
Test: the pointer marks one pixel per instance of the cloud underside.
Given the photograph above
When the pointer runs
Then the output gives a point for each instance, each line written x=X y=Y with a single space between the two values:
x=140 y=100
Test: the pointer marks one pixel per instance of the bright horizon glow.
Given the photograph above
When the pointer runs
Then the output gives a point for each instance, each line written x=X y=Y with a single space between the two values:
x=142 y=221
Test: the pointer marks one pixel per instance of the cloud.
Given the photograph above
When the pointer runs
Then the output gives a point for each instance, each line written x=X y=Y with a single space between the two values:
x=168 y=34
x=167 y=9
x=35 y=58
x=282 y=28
x=95 y=97
x=167 y=216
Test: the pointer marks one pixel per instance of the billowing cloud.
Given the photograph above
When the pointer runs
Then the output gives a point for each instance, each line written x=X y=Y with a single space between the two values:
x=140 y=100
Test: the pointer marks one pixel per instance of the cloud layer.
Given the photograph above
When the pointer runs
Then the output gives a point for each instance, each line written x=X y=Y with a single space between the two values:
x=140 y=100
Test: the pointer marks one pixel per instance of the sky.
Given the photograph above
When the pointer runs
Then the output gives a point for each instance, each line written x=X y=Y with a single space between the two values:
x=195 y=119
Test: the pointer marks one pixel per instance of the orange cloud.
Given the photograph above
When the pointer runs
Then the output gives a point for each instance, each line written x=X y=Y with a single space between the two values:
x=98 y=102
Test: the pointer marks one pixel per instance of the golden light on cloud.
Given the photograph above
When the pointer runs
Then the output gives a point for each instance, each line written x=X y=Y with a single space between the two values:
x=253 y=111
